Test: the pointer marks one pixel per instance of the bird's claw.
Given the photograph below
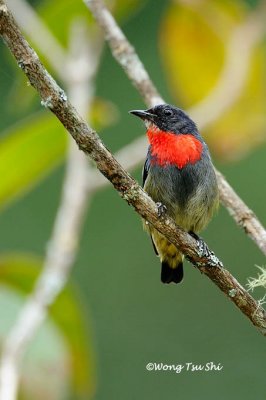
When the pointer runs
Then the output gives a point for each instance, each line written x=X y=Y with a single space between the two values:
x=161 y=209
x=204 y=251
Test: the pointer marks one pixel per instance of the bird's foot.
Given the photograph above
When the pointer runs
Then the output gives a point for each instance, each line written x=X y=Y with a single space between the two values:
x=161 y=209
x=204 y=251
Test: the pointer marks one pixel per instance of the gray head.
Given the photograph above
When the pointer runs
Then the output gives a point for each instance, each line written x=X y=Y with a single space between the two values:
x=167 y=118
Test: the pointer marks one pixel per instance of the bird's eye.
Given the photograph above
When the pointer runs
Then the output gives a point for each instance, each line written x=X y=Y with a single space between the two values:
x=168 y=112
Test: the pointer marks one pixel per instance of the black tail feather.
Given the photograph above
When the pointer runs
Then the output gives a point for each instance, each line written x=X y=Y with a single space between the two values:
x=169 y=274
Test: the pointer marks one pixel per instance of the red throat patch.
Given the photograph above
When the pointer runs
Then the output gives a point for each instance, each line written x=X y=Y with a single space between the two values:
x=171 y=149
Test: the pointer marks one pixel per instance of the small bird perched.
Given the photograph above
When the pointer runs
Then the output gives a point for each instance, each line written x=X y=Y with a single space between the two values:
x=179 y=176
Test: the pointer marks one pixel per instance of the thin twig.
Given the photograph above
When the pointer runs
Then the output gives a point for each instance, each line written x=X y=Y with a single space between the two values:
x=243 y=215
x=125 y=55
x=64 y=241
x=88 y=141
x=120 y=48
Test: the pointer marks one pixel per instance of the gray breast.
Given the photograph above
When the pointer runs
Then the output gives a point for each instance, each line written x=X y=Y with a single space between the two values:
x=192 y=187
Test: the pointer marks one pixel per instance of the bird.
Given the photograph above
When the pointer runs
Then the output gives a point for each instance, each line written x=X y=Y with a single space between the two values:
x=178 y=174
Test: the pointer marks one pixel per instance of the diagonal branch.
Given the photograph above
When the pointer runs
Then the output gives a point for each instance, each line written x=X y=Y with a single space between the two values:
x=54 y=98
x=132 y=155
x=64 y=241
x=126 y=56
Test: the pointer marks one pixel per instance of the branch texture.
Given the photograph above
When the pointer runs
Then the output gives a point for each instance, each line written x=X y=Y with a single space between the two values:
x=249 y=32
x=54 y=98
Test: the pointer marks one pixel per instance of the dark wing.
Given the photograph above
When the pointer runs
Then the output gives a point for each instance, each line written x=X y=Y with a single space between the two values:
x=154 y=247
x=145 y=172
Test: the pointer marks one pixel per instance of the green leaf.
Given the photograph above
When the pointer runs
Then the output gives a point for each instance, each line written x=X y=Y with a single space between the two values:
x=29 y=151
x=63 y=342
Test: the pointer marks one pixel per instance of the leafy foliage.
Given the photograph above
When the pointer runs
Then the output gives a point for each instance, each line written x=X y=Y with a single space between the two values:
x=194 y=39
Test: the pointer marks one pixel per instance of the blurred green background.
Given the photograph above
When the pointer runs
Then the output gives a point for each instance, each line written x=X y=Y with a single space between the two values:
x=121 y=316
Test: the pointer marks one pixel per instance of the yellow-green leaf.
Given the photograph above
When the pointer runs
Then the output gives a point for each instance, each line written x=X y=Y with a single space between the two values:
x=194 y=42
x=242 y=127
x=29 y=151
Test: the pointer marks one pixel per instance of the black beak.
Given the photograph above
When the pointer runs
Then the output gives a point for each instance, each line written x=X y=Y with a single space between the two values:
x=143 y=114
